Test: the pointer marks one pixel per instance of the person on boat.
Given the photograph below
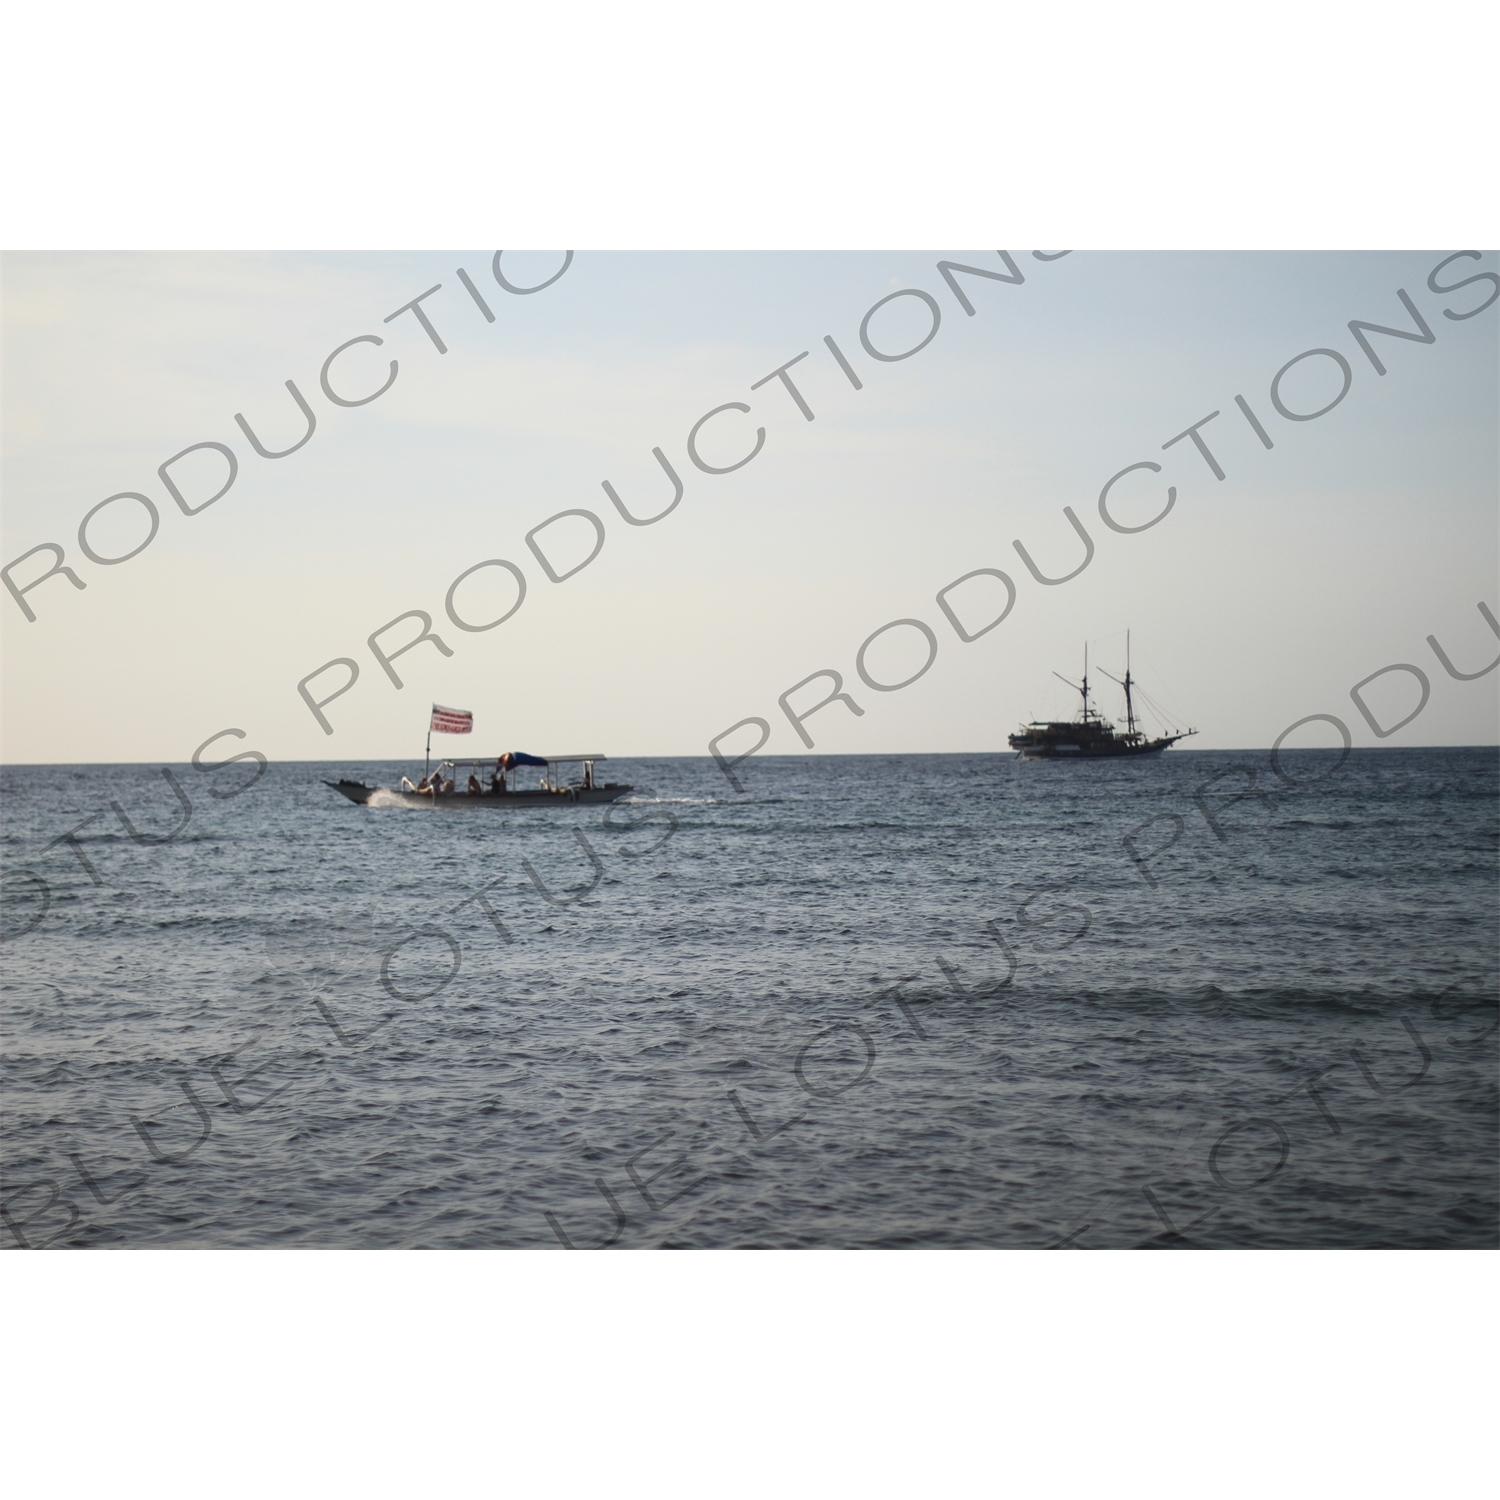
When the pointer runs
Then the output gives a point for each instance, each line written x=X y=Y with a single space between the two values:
x=422 y=785
x=474 y=787
x=497 y=779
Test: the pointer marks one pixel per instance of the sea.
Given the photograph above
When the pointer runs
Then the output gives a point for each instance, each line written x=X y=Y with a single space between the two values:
x=1193 y=1001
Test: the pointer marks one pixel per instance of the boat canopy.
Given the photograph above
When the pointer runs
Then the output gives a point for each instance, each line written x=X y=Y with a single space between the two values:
x=513 y=758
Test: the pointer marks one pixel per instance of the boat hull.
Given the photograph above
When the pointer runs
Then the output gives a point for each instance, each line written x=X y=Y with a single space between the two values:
x=357 y=791
x=1073 y=752
x=1054 y=747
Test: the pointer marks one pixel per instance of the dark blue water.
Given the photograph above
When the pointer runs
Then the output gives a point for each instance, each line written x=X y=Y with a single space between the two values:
x=874 y=1001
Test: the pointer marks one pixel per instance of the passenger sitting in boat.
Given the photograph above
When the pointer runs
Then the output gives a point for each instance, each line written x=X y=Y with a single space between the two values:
x=422 y=785
x=474 y=787
x=497 y=781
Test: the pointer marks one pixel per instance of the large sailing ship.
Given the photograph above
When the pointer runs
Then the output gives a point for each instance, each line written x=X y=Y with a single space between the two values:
x=1091 y=736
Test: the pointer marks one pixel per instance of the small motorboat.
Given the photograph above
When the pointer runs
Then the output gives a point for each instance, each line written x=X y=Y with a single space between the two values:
x=462 y=785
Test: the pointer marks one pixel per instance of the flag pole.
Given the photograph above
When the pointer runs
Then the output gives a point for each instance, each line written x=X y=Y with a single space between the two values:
x=427 y=759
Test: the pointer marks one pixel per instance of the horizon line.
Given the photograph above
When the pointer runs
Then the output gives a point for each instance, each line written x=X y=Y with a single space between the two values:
x=6 y=765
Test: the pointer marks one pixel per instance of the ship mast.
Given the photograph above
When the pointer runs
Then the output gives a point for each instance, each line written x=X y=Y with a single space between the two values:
x=1087 y=712
x=1129 y=708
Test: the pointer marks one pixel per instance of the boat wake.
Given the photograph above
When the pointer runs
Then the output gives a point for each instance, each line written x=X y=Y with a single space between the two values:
x=669 y=801
x=382 y=798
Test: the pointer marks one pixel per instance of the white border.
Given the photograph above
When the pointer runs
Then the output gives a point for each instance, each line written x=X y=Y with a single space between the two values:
x=1292 y=123
x=886 y=1373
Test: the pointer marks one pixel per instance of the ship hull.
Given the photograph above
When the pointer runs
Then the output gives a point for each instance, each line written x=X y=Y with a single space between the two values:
x=1055 y=746
x=357 y=791
x=1079 y=752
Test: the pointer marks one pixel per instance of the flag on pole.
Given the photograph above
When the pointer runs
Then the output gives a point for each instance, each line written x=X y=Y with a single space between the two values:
x=451 y=720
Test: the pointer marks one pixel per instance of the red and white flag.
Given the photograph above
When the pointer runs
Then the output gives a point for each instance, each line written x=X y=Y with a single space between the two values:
x=451 y=720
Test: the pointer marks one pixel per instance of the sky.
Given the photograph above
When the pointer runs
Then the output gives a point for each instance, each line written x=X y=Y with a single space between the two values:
x=1257 y=600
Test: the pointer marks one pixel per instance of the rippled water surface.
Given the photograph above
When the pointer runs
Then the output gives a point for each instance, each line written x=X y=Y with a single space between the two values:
x=913 y=1000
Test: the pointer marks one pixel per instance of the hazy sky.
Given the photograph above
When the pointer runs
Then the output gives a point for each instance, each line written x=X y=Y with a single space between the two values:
x=1261 y=597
